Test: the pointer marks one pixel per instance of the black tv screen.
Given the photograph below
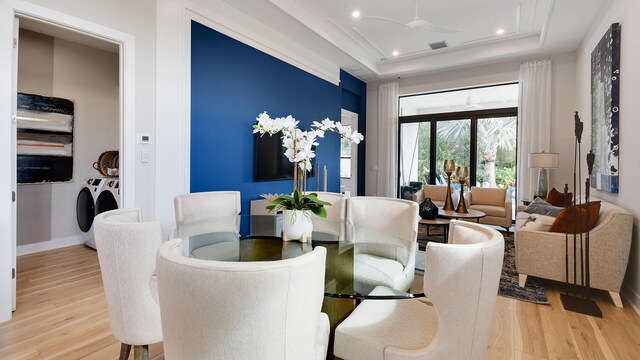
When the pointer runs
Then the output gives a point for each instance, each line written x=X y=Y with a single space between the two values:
x=270 y=163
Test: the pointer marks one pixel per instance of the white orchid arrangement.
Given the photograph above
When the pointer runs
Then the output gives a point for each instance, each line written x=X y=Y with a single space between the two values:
x=299 y=150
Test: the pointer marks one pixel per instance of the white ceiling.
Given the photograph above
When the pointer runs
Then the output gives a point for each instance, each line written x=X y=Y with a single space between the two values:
x=66 y=34
x=363 y=47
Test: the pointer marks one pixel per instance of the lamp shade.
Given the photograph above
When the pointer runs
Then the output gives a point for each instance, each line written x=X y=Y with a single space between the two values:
x=544 y=160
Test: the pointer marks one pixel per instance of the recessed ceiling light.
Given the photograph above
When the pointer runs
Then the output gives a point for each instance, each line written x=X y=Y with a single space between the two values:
x=355 y=14
x=500 y=31
x=395 y=53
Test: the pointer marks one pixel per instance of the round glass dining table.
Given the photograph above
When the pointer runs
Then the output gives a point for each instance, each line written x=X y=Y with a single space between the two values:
x=248 y=238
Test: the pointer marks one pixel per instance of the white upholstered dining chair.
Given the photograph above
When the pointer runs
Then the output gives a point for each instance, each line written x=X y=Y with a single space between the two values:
x=336 y=214
x=461 y=281
x=127 y=251
x=190 y=208
x=242 y=310
x=377 y=221
x=208 y=212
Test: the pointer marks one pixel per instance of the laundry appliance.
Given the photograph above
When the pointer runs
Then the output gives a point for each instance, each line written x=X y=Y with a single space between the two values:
x=96 y=196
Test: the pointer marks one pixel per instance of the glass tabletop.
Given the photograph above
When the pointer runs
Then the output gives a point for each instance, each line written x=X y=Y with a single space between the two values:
x=247 y=238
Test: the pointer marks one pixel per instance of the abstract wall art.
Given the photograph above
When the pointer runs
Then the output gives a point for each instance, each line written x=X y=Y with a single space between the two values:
x=605 y=110
x=44 y=139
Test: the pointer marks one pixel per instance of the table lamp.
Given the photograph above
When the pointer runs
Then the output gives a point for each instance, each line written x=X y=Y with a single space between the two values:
x=543 y=161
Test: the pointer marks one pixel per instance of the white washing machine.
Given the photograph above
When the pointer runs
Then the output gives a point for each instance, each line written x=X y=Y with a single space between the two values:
x=109 y=196
x=86 y=207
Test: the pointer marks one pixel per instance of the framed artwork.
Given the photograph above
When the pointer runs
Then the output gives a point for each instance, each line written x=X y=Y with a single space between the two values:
x=605 y=110
x=44 y=139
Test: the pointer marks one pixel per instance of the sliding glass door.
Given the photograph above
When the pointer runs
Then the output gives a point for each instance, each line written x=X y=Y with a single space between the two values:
x=475 y=127
x=496 y=149
x=453 y=141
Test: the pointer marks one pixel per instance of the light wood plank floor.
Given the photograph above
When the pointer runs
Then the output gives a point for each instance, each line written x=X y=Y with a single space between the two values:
x=62 y=315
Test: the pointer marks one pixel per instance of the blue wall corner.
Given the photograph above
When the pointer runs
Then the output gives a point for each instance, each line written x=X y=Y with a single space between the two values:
x=231 y=83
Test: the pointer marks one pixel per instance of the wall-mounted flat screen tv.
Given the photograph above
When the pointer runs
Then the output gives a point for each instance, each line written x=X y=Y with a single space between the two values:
x=270 y=163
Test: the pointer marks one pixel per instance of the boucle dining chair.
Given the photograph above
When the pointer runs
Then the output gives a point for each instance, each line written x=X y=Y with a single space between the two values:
x=193 y=207
x=127 y=252
x=336 y=214
x=242 y=310
x=208 y=212
x=374 y=222
x=461 y=281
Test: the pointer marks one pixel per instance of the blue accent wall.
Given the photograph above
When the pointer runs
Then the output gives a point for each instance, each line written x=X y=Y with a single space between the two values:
x=231 y=83
x=354 y=99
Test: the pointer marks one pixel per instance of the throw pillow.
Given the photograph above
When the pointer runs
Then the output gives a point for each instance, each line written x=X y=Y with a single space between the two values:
x=556 y=198
x=566 y=220
x=541 y=207
x=535 y=224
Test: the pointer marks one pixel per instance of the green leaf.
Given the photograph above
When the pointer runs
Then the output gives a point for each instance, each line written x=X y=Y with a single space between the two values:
x=320 y=211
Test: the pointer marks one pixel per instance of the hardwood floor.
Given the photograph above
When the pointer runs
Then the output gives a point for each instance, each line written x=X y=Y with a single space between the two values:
x=61 y=314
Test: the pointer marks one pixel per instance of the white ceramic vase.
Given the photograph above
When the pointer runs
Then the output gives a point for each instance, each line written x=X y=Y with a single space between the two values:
x=296 y=225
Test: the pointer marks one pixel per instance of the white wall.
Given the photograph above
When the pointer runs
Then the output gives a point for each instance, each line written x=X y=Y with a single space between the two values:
x=627 y=13
x=563 y=106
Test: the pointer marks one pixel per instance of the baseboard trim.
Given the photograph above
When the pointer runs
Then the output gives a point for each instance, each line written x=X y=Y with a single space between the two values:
x=632 y=298
x=49 y=245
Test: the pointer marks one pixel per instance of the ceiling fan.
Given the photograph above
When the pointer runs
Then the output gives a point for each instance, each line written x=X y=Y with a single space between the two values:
x=418 y=23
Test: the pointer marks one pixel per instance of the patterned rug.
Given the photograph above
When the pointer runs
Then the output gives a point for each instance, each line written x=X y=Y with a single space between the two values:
x=533 y=291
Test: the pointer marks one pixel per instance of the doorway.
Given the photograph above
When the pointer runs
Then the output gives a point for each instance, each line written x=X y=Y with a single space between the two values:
x=349 y=156
x=8 y=89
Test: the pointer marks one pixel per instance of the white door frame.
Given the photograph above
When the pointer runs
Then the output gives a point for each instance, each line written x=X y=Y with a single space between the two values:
x=14 y=185
x=9 y=9
x=350 y=118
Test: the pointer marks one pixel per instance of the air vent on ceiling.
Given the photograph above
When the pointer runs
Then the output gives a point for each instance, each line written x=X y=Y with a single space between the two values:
x=438 y=45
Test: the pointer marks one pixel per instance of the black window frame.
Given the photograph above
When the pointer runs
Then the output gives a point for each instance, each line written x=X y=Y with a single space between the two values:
x=433 y=119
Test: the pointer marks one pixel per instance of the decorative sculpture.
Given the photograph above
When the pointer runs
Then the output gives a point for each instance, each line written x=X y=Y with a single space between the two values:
x=462 y=173
x=449 y=167
x=580 y=301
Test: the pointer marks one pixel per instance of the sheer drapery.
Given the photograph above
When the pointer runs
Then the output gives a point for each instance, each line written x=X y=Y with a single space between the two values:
x=388 y=139
x=534 y=121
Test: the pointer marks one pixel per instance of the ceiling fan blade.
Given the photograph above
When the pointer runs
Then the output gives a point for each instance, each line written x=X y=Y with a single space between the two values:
x=386 y=19
x=422 y=24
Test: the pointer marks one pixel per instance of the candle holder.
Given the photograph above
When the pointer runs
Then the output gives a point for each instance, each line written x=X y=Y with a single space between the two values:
x=449 y=168
x=462 y=173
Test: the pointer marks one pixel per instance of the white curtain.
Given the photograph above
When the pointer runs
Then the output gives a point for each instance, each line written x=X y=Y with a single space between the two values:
x=388 y=140
x=534 y=121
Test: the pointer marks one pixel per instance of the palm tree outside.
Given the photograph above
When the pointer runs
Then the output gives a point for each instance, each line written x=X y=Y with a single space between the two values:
x=496 y=142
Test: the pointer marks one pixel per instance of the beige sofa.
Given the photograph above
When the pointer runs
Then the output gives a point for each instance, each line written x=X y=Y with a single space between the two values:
x=437 y=193
x=542 y=254
x=494 y=202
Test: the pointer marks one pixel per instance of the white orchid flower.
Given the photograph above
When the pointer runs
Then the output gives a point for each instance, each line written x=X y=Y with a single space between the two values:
x=356 y=137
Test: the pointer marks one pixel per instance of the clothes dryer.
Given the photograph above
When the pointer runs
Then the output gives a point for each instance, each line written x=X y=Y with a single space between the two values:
x=86 y=207
x=109 y=196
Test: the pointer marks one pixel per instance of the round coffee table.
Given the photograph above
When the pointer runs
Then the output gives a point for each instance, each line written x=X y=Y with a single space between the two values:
x=472 y=214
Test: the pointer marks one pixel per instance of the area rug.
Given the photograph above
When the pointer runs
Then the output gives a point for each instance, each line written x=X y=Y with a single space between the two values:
x=533 y=291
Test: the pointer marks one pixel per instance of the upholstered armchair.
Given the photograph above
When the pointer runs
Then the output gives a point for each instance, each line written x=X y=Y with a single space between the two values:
x=242 y=310
x=495 y=202
x=127 y=250
x=376 y=221
x=437 y=193
x=461 y=281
